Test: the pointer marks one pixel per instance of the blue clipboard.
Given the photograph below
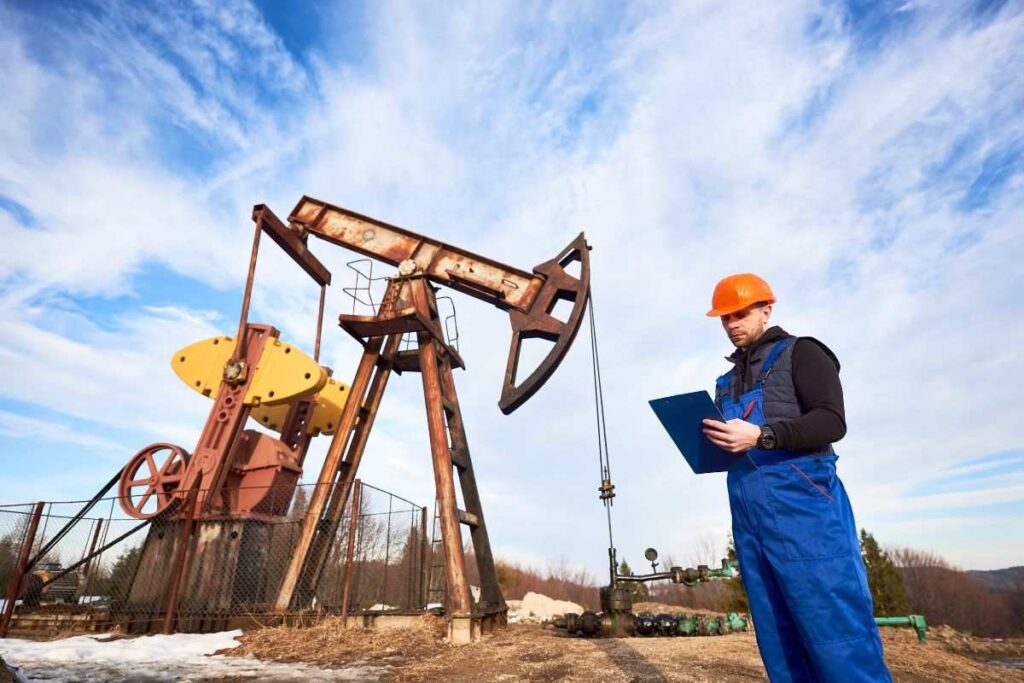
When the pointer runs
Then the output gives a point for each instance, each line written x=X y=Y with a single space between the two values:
x=681 y=417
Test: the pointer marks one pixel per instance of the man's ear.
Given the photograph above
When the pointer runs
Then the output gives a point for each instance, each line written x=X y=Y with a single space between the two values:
x=767 y=312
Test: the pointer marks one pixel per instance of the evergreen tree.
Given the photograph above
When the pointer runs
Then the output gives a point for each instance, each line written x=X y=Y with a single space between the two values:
x=736 y=593
x=886 y=583
x=118 y=583
x=639 y=590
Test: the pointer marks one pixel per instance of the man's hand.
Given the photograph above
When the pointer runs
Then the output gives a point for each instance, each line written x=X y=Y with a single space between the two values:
x=735 y=436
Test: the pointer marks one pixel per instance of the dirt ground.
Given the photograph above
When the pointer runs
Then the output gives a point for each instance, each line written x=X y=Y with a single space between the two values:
x=535 y=653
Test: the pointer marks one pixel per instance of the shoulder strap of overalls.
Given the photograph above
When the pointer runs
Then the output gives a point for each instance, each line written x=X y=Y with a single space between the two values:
x=773 y=355
x=722 y=383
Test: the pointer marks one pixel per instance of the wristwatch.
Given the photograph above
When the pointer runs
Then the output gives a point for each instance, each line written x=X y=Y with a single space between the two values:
x=767 y=440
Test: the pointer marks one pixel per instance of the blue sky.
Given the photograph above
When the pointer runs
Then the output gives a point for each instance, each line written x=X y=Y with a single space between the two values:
x=865 y=157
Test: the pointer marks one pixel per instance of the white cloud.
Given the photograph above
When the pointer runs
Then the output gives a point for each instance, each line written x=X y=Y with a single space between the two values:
x=688 y=141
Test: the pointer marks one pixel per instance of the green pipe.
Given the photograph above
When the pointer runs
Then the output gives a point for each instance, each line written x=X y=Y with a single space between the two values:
x=729 y=570
x=712 y=626
x=915 y=621
x=736 y=622
x=686 y=626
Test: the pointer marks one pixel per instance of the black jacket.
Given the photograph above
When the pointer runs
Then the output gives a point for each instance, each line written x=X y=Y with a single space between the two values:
x=816 y=379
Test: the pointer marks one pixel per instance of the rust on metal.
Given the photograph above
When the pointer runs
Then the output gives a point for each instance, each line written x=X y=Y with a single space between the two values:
x=224 y=425
x=434 y=362
x=539 y=323
x=462 y=270
x=460 y=602
x=291 y=244
x=337 y=473
x=236 y=481
x=235 y=370
x=181 y=557
x=19 y=570
x=491 y=599
x=530 y=298
x=154 y=473
x=328 y=472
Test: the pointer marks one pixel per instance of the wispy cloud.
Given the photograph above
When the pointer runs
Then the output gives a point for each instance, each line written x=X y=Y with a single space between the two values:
x=865 y=158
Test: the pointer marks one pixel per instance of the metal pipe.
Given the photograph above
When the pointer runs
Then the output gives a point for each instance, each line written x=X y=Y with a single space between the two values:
x=350 y=466
x=319 y=323
x=181 y=559
x=325 y=484
x=77 y=518
x=100 y=551
x=915 y=621
x=14 y=585
x=243 y=317
x=424 y=569
x=387 y=553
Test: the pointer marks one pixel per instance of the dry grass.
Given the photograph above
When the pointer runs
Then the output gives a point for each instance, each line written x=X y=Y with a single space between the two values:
x=532 y=653
x=329 y=643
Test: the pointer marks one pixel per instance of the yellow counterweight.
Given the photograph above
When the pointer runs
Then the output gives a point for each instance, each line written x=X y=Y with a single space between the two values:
x=283 y=374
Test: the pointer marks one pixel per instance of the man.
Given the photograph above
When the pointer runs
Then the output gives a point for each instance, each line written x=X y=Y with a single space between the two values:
x=792 y=524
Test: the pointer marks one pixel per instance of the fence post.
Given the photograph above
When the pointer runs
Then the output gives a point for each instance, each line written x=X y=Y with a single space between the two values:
x=424 y=569
x=87 y=571
x=357 y=494
x=14 y=585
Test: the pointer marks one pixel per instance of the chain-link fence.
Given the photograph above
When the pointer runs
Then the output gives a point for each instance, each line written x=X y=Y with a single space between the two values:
x=105 y=569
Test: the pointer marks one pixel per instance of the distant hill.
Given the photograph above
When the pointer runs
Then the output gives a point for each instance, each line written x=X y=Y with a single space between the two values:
x=1000 y=580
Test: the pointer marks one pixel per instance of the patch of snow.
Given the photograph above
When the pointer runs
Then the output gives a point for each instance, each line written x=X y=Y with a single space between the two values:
x=176 y=657
x=536 y=607
x=381 y=607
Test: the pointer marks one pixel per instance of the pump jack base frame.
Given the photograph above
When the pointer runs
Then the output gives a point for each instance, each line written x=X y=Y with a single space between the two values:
x=409 y=306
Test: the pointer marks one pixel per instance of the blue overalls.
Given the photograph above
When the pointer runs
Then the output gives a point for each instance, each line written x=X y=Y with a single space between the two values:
x=796 y=542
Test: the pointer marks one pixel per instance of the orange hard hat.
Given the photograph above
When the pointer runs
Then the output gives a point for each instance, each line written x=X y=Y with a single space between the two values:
x=736 y=292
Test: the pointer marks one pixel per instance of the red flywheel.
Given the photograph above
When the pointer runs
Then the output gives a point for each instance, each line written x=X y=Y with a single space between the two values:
x=149 y=482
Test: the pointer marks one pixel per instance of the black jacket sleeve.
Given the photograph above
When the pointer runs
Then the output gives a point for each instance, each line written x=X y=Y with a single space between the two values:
x=816 y=379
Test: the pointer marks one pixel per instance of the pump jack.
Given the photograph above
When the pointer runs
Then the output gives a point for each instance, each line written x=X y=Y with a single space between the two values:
x=409 y=306
x=240 y=480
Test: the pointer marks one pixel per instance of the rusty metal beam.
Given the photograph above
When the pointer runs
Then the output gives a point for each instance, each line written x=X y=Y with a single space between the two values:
x=460 y=602
x=291 y=244
x=211 y=459
x=478 y=276
x=490 y=593
x=181 y=557
x=530 y=298
x=328 y=524
x=328 y=472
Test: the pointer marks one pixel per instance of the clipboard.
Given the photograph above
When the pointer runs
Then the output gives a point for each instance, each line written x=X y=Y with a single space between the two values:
x=681 y=417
